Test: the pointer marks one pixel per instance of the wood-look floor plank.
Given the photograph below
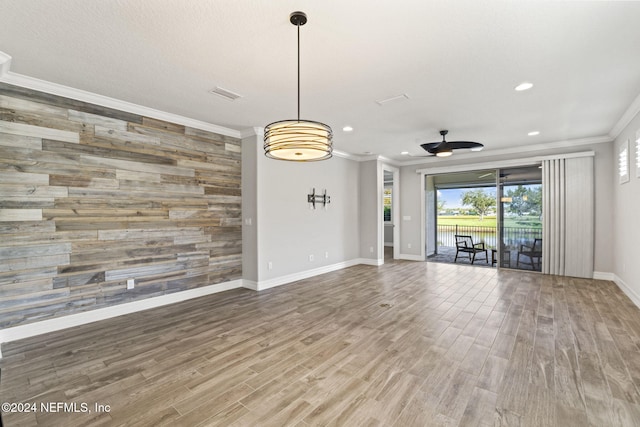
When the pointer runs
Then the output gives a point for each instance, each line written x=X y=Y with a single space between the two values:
x=492 y=373
x=404 y=344
x=481 y=408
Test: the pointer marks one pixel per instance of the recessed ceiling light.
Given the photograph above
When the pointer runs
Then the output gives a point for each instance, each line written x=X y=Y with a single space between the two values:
x=524 y=86
x=534 y=133
x=404 y=153
x=367 y=152
x=347 y=129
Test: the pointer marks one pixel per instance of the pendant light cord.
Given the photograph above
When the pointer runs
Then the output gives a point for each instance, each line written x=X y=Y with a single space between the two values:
x=298 y=71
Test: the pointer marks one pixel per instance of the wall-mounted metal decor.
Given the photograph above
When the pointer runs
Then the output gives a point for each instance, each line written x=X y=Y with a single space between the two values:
x=322 y=199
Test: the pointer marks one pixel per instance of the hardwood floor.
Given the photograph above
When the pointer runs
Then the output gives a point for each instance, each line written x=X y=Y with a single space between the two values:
x=405 y=344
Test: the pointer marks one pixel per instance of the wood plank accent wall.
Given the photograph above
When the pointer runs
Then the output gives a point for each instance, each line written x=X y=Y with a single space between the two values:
x=91 y=197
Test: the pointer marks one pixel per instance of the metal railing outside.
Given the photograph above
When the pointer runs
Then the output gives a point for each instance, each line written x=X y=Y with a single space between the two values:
x=512 y=236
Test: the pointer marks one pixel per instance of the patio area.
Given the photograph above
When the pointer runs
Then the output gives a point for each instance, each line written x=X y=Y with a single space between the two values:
x=447 y=254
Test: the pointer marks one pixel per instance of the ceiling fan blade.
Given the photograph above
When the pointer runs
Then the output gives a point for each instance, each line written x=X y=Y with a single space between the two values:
x=445 y=147
x=464 y=144
x=433 y=147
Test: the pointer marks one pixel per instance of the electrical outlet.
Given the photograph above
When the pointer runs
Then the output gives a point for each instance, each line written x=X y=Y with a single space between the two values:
x=247 y=221
x=326 y=255
x=371 y=249
x=409 y=245
x=131 y=283
x=270 y=265
x=311 y=258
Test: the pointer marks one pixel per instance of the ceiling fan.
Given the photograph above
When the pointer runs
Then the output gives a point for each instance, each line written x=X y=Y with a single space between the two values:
x=445 y=148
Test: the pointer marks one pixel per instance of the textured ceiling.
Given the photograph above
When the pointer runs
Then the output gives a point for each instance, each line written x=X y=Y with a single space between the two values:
x=458 y=62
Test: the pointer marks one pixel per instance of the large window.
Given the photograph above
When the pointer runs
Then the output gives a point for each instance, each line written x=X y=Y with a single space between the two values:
x=623 y=162
x=386 y=203
x=638 y=154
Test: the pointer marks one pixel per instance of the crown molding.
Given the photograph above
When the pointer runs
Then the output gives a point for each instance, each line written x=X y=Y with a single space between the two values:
x=258 y=131
x=5 y=63
x=389 y=161
x=626 y=118
x=345 y=155
x=517 y=162
x=570 y=143
x=254 y=131
x=371 y=157
x=15 y=79
x=359 y=158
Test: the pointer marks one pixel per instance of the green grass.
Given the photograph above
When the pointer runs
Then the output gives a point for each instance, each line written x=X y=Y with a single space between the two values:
x=467 y=220
x=490 y=221
x=523 y=221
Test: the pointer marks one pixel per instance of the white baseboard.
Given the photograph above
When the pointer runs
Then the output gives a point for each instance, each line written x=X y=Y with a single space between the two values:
x=52 y=325
x=603 y=275
x=628 y=291
x=250 y=284
x=633 y=295
x=289 y=278
x=410 y=257
x=388 y=244
x=367 y=261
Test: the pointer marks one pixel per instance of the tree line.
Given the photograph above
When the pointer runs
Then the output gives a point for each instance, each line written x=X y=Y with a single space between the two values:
x=520 y=201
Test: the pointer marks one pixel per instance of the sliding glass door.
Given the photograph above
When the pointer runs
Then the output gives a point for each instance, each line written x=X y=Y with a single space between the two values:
x=461 y=210
x=520 y=218
x=500 y=210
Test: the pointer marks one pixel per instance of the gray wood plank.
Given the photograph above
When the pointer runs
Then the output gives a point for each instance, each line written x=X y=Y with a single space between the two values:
x=324 y=352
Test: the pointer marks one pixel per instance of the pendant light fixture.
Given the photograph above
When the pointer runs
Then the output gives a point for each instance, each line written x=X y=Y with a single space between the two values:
x=298 y=140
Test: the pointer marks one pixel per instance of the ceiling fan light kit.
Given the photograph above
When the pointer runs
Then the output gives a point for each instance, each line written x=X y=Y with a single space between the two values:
x=445 y=148
x=444 y=153
x=295 y=139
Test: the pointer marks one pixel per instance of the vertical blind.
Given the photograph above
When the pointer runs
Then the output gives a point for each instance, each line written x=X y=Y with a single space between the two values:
x=568 y=217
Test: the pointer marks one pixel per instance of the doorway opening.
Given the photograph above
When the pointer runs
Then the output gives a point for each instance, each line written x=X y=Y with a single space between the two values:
x=389 y=227
x=461 y=216
x=387 y=209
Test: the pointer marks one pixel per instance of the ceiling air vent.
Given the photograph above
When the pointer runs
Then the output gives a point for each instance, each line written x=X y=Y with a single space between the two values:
x=402 y=97
x=224 y=93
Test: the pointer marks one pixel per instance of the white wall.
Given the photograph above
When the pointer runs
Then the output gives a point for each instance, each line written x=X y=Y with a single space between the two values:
x=410 y=200
x=250 y=145
x=370 y=178
x=604 y=173
x=287 y=230
x=626 y=216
